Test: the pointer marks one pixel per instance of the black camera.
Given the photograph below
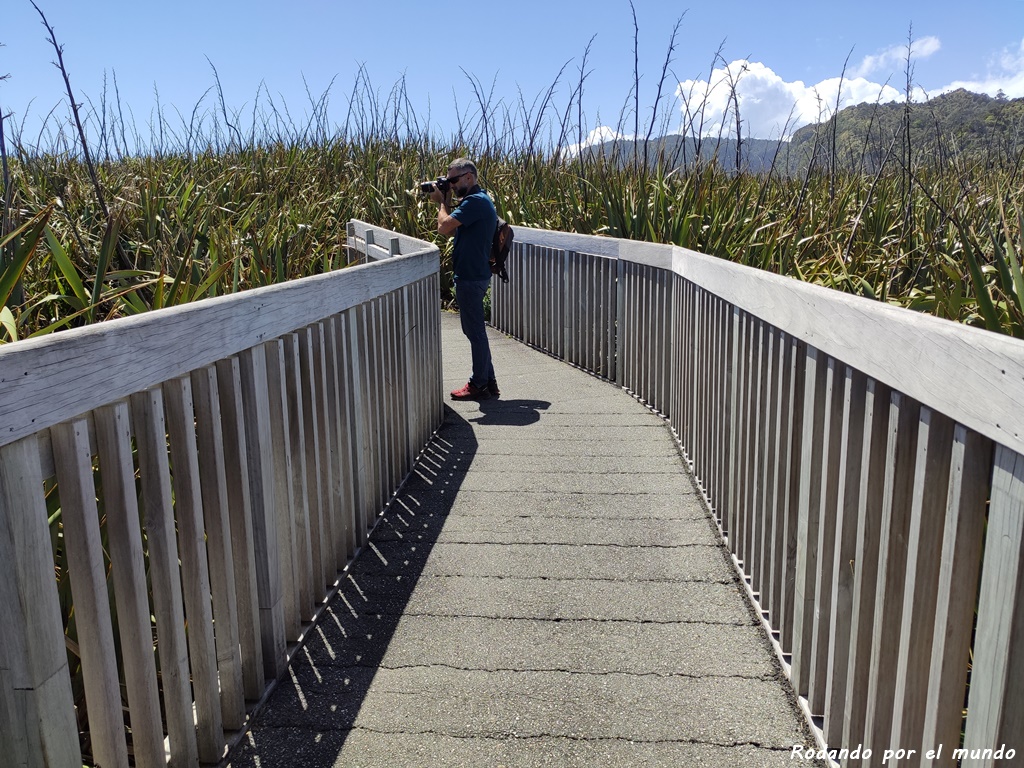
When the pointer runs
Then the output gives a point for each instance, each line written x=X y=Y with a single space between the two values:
x=440 y=183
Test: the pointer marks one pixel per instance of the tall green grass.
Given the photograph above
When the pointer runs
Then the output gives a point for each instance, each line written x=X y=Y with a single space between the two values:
x=181 y=228
x=214 y=201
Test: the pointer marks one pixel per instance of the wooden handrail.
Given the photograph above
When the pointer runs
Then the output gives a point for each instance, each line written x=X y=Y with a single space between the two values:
x=857 y=457
x=289 y=415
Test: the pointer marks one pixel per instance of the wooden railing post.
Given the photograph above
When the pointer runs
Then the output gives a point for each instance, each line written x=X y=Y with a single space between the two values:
x=37 y=713
x=995 y=707
x=73 y=459
x=151 y=439
x=243 y=564
x=256 y=408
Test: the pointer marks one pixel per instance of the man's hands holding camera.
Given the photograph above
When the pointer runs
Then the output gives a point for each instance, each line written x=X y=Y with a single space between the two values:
x=440 y=197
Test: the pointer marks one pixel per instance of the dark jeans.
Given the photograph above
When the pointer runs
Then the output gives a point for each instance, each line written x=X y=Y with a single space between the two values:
x=470 y=297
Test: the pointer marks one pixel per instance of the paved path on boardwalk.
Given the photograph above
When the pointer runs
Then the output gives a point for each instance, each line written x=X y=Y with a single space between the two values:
x=546 y=590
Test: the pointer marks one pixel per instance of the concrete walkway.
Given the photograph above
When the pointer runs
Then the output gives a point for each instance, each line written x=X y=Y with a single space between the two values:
x=548 y=590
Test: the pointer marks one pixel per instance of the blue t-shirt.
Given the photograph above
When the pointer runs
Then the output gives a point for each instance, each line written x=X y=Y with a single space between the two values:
x=471 y=252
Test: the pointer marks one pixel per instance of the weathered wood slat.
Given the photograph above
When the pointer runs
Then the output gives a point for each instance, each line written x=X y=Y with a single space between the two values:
x=168 y=607
x=957 y=588
x=332 y=427
x=901 y=456
x=360 y=423
x=288 y=482
x=815 y=419
x=214 y=486
x=324 y=450
x=869 y=523
x=84 y=550
x=306 y=458
x=346 y=433
x=995 y=707
x=302 y=533
x=37 y=708
x=790 y=483
x=854 y=388
x=124 y=539
x=236 y=462
x=195 y=572
x=924 y=546
x=832 y=434
x=260 y=471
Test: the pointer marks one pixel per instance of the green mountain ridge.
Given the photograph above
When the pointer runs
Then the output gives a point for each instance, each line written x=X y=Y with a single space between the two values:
x=959 y=126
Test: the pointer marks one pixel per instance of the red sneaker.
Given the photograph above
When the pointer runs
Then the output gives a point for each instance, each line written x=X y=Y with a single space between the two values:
x=470 y=392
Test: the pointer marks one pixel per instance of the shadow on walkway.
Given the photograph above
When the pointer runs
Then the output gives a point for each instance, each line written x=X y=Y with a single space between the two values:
x=510 y=413
x=313 y=709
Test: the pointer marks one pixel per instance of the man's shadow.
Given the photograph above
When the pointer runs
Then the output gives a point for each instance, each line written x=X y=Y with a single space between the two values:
x=510 y=413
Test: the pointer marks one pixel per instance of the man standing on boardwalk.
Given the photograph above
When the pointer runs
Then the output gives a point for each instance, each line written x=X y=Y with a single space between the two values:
x=473 y=223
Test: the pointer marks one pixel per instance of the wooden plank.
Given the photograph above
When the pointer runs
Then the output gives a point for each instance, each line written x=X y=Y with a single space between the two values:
x=388 y=395
x=214 y=488
x=84 y=550
x=757 y=453
x=195 y=571
x=399 y=445
x=927 y=513
x=333 y=418
x=759 y=500
x=283 y=425
x=740 y=426
x=790 y=486
x=144 y=350
x=832 y=472
x=620 y=322
x=236 y=462
x=346 y=435
x=734 y=437
x=376 y=401
x=995 y=705
x=38 y=709
x=303 y=535
x=325 y=451
x=768 y=510
x=577 y=311
x=360 y=426
x=892 y=569
x=124 y=540
x=308 y=382
x=815 y=416
x=959 y=572
x=865 y=562
x=260 y=472
x=845 y=552
x=165 y=580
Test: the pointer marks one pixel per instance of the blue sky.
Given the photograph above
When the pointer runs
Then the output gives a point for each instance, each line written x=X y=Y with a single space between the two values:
x=786 y=57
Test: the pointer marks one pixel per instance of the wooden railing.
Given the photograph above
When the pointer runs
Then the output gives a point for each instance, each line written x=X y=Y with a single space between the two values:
x=291 y=414
x=864 y=464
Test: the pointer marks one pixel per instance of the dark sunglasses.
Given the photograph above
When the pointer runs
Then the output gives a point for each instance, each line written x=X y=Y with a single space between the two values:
x=453 y=179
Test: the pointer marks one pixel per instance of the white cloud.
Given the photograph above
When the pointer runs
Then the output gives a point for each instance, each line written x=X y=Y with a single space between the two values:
x=894 y=58
x=597 y=136
x=769 y=107
x=1006 y=74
